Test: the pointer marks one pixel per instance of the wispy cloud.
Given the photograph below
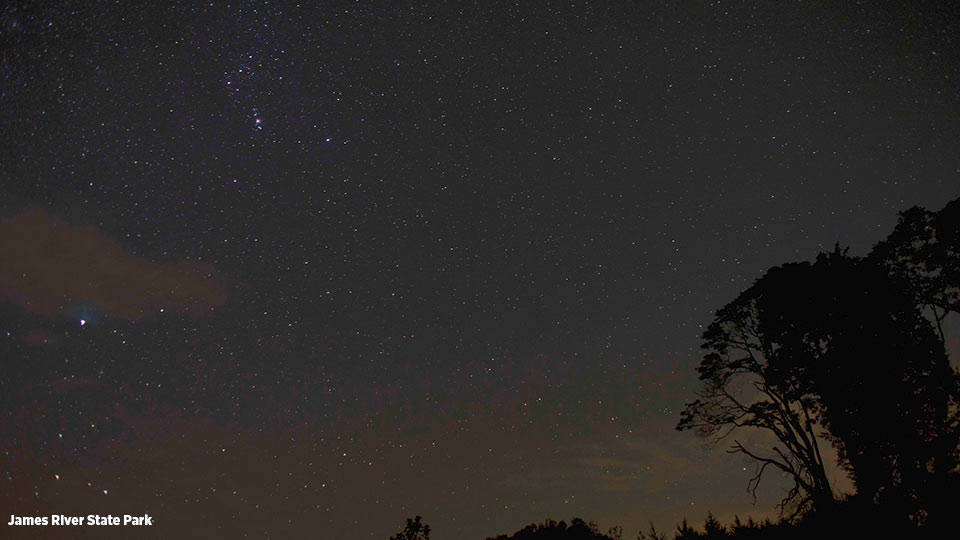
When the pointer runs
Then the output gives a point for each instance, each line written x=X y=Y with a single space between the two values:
x=46 y=263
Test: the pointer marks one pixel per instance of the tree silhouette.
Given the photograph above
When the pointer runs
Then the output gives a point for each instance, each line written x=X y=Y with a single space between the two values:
x=713 y=529
x=578 y=529
x=923 y=255
x=742 y=387
x=924 y=252
x=841 y=349
x=685 y=532
x=884 y=384
x=415 y=530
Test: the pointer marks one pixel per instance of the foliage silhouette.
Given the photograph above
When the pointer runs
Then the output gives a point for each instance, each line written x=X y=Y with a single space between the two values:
x=743 y=387
x=883 y=383
x=415 y=530
x=924 y=252
x=685 y=532
x=713 y=529
x=840 y=349
x=578 y=529
x=654 y=535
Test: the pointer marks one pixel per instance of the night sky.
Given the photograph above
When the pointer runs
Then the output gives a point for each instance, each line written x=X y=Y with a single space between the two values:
x=275 y=268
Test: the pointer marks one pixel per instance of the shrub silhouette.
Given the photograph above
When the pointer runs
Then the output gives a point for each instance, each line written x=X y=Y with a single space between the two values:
x=578 y=529
x=415 y=530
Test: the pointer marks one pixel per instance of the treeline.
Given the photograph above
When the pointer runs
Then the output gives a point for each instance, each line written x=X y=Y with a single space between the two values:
x=846 y=522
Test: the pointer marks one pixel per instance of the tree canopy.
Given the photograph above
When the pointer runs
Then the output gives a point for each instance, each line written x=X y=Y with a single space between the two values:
x=416 y=529
x=924 y=252
x=577 y=529
x=840 y=350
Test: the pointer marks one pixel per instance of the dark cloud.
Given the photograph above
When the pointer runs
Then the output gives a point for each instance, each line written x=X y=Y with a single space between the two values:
x=47 y=264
